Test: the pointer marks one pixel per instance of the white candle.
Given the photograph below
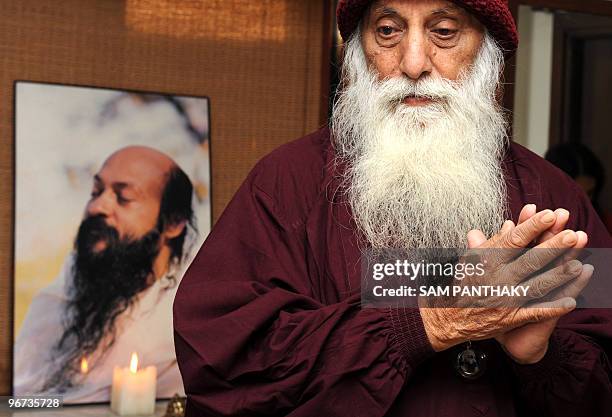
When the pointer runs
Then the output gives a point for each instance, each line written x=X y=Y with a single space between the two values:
x=133 y=391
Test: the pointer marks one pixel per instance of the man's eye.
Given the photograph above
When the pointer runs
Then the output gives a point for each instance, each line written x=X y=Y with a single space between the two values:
x=122 y=200
x=95 y=193
x=445 y=33
x=386 y=30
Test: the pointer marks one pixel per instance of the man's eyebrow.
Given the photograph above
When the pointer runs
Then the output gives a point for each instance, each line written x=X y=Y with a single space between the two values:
x=448 y=10
x=385 y=11
x=120 y=186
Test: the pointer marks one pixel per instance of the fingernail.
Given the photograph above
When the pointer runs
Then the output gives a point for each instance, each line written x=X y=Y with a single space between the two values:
x=548 y=217
x=575 y=267
x=532 y=206
x=588 y=268
x=569 y=303
x=562 y=213
x=570 y=238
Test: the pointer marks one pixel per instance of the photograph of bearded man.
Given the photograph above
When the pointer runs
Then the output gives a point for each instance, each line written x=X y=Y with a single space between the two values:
x=115 y=293
x=96 y=276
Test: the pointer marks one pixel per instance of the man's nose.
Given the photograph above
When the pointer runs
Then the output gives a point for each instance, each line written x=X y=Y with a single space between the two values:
x=416 y=60
x=101 y=205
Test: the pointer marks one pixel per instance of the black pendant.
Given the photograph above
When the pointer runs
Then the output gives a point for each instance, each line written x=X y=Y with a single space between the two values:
x=471 y=363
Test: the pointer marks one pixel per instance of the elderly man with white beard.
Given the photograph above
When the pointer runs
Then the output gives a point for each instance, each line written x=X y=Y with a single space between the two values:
x=268 y=319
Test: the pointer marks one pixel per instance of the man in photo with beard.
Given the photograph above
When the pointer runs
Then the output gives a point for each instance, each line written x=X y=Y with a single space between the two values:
x=268 y=318
x=115 y=293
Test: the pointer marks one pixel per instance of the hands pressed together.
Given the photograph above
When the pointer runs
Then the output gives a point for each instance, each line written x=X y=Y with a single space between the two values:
x=523 y=330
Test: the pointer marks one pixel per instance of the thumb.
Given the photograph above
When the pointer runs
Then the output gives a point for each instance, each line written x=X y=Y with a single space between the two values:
x=475 y=238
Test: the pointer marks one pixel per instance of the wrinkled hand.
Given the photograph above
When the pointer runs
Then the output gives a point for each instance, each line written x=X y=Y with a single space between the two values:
x=528 y=344
x=450 y=326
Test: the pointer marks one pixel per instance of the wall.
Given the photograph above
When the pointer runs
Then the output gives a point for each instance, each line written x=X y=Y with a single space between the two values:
x=533 y=79
x=259 y=62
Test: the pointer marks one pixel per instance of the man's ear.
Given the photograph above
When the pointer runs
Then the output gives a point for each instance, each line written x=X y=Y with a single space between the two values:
x=175 y=229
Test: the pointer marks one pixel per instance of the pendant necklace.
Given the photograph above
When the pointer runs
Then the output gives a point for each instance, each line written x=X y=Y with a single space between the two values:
x=471 y=363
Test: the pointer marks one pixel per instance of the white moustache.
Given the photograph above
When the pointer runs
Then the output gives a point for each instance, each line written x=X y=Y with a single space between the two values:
x=397 y=89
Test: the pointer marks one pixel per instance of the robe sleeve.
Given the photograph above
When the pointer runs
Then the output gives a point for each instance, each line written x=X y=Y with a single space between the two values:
x=253 y=338
x=575 y=376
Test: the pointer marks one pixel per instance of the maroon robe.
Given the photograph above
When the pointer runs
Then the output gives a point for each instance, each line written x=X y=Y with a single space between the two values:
x=268 y=322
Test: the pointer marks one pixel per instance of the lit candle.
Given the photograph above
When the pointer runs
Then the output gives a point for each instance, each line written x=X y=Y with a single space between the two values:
x=133 y=391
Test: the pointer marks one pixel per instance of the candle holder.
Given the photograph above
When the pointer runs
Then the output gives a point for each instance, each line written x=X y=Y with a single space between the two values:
x=176 y=407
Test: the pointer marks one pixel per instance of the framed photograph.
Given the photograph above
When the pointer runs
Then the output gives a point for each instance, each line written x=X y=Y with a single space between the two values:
x=112 y=200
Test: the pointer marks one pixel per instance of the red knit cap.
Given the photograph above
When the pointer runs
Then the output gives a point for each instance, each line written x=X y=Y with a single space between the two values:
x=493 y=14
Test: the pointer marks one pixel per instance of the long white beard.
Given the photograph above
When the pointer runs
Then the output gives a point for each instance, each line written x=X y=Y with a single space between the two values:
x=422 y=177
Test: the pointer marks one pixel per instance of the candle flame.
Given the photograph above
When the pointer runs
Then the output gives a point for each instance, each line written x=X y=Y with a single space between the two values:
x=84 y=366
x=134 y=363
